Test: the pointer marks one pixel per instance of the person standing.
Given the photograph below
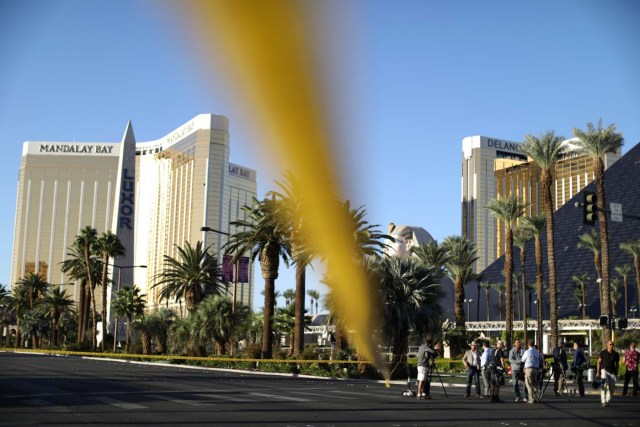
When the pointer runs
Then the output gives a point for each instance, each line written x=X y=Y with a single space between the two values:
x=541 y=370
x=425 y=358
x=515 y=356
x=631 y=357
x=559 y=367
x=530 y=361
x=485 y=362
x=608 y=363
x=497 y=374
x=579 y=362
x=471 y=360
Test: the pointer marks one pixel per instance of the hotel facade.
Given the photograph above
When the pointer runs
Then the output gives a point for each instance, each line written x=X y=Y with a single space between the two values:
x=492 y=168
x=155 y=195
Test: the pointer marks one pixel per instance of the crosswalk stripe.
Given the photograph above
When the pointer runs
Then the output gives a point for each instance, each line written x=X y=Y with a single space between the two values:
x=119 y=403
x=276 y=396
x=179 y=401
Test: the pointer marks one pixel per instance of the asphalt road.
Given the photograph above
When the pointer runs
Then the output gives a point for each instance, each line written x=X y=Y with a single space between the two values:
x=72 y=391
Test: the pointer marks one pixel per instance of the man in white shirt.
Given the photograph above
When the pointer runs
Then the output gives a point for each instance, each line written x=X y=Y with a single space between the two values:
x=485 y=361
x=531 y=360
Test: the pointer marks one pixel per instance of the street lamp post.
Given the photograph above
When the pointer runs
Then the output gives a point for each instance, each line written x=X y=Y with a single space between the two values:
x=235 y=282
x=115 y=325
x=581 y=309
x=633 y=311
x=469 y=301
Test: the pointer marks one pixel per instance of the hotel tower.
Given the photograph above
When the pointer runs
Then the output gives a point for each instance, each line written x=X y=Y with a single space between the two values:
x=493 y=168
x=155 y=195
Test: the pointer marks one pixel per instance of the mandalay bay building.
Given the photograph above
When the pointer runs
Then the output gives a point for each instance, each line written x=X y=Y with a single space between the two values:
x=153 y=195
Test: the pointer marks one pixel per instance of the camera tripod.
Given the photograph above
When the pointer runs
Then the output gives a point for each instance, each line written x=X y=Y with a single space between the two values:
x=563 y=389
x=432 y=368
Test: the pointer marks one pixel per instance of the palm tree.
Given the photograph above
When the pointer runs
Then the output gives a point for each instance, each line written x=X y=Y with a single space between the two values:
x=499 y=287
x=596 y=143
x=58 y=303
x=87 y=240
x=487 y=287
x=615 y=295
x=19 y=304
x=36 y=285
x=624 y=270
x=284 y=324
x=545 y=152
x=433 y=255
x=108 y=246
x=213 y=321
x=315 y=296
x=291 y=208
x=143 y=325
x=535 y=224
x=4 y=317
x=633 y=247
x=192 y=275
x=461 y=256
x=75 y=268
x=508 y=210
x=409 y=292
x=581 y=285
x=264 y=235
x=289 y=296
x=592 y=242
x=520 y=239
x=161 y=321
x=130 y=304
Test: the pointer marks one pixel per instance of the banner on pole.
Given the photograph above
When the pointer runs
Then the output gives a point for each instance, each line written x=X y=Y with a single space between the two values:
x=227 y=268
x=243 y=270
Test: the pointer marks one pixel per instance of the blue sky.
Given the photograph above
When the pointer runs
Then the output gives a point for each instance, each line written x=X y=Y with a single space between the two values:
x=419 y=77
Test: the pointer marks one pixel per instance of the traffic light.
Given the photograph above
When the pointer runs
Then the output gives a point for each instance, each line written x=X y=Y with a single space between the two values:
x=604 y=320
x=589 y=208
x=623 y=323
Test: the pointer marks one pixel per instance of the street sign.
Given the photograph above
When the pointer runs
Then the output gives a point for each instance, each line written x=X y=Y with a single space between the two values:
x=616 y=211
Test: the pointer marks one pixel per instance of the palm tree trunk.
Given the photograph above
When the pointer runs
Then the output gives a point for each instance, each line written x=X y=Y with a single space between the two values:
x=551 y=256
x=399 y=362
x=486 y=294
x=636 y=264
x=539 y=290
x=81 y=313
x=500 y=304
x=626 y=303
x=524 y=296
x=508 y=267
x=598 y=170
x=458 y=291
x=126 y=342
x=87 y=260
x=298 y=335
x=597 y=262
x=105 y=271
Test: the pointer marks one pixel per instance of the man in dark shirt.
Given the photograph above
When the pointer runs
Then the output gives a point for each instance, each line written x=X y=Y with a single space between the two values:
x=559 y=367
x=579 y=362
x=608 y=362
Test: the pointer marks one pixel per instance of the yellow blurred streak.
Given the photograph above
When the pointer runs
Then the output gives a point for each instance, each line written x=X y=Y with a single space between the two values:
x=271 y=58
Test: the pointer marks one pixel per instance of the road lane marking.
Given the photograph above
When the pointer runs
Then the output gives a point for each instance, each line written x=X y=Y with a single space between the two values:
x=306 y=393
x=224 y=397
x=178 y=401
x=365 y=394
x=119 y=403
x=276 y=396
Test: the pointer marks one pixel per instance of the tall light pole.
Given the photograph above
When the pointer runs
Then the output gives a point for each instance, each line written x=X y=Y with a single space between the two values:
x=235 y=282
x=469 y=301
x=115 y=327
